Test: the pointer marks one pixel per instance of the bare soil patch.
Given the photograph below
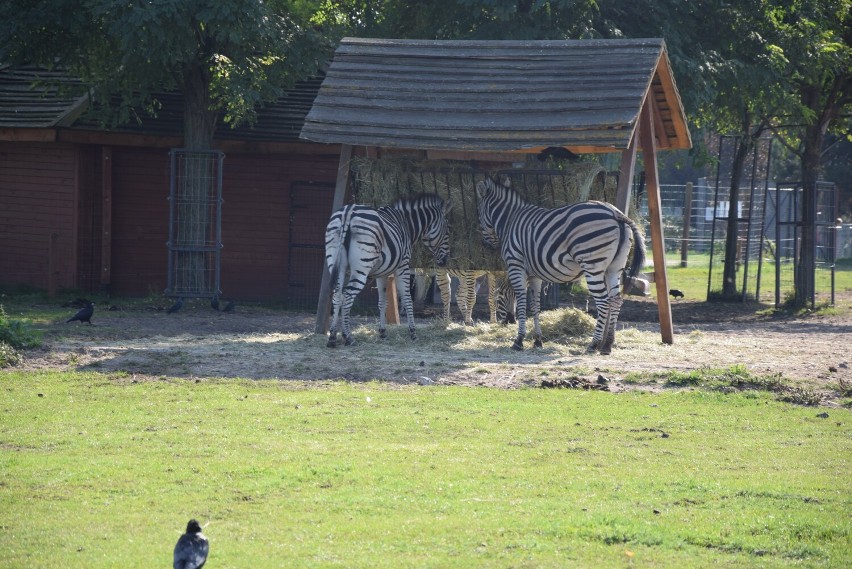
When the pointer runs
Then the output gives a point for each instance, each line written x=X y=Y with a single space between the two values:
x=262 y=343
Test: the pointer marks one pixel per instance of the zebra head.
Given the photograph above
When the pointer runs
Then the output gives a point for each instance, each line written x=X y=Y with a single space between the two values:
x=489 y=194
x=434 y=215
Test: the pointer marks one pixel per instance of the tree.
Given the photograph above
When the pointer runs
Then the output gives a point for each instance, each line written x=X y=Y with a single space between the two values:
x=226 y=57
x=813 y=37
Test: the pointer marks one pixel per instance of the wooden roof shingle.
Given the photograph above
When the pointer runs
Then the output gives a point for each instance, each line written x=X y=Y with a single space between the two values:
x=495 y=95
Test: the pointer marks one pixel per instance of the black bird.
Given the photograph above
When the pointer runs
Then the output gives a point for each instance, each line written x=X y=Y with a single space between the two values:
x=84 y=314
x=557 y=152
x=230 y=306
x=191 y=548
x=676 y=293
x=175 y=307
x=214 y=302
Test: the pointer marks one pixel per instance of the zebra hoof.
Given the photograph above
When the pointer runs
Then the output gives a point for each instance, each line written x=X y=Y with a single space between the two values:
x=383 y=333
x=606 y=348
x=592 y=348
x=331 y=343
x=537 y=343
x=518 y=346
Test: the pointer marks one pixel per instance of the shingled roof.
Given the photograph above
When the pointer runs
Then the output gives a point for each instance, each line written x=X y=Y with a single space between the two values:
x=585 y=95
x=32 y=98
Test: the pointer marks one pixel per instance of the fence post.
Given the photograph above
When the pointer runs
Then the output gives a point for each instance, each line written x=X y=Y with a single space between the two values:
x=687 y=219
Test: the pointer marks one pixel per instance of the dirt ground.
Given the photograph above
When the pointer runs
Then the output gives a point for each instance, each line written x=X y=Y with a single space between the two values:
x=258 y=343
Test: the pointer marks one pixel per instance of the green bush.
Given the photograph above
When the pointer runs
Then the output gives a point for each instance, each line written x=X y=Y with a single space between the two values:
x=17 y=333
x=9 y=356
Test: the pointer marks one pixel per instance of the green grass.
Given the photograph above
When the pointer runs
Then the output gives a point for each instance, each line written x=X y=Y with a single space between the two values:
x=101 y=471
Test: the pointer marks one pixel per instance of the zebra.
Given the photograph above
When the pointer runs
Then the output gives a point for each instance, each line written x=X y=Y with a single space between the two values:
x=366 y=242
x=466 y=292
x=558 y=245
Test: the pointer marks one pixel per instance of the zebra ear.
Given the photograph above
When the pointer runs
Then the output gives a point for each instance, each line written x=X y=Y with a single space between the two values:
x=505 y=181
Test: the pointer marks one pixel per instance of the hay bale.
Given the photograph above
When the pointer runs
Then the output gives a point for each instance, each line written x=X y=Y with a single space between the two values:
x=566 y=323
x=378 y=182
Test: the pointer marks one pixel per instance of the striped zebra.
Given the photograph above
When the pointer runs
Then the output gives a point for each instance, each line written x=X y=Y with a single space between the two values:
x=466 y=292
x=558 y=245
x=363 y=242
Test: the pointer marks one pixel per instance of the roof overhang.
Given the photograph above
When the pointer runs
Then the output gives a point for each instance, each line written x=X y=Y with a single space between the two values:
x=496 y=96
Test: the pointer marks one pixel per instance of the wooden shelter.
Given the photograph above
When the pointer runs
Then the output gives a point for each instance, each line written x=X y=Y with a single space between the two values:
x=495 y=100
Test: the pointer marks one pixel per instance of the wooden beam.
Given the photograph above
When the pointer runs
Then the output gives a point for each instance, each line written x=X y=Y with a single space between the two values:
x=649 y=154
x=625 y=176
x=28 y=134
x=392 y=308
x=106 y=216
x=324 y=299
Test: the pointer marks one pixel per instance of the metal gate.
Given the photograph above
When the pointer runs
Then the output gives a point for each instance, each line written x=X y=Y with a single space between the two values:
x=195 y=223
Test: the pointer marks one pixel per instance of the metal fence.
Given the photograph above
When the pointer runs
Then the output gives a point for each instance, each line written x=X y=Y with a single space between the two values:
x=195 y=223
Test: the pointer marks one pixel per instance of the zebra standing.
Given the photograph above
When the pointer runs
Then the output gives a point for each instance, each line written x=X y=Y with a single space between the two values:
x=366 y=242
x=558 y=245
x=466 y=292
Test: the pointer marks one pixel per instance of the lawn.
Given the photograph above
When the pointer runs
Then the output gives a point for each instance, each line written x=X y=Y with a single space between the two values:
x=100 y=470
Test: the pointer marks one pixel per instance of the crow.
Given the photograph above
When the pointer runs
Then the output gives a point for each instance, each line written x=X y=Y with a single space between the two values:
x=175 y=307
x=230 y=306
x=214 y=302
x=558 y=153
x=84 y=314
x=192 y=548
x=676 y=293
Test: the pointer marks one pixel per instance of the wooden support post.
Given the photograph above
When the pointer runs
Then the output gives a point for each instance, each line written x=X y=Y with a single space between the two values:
x=392 y=308
x=649 y=155
x=324 y=299
x=625 y=176
x=687 y=219
x=106 y=217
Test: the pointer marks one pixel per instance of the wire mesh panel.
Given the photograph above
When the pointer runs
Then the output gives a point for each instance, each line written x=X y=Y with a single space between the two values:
x=749 y=216
x=195 y=223
x=788 y=236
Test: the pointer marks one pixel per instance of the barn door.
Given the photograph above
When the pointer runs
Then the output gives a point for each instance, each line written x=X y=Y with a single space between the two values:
x=310 y=208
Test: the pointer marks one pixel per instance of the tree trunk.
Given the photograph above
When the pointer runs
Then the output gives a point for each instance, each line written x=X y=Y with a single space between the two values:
x=825 y=102
x=729 y=275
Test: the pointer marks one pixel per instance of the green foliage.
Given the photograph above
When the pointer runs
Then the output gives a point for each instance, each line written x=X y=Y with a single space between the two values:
x=9 y=356
x=226 y=56
x=105 y=470
x=17 y=333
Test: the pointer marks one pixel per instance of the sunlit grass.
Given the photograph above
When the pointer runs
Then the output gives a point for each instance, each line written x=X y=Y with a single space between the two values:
x=103 y=471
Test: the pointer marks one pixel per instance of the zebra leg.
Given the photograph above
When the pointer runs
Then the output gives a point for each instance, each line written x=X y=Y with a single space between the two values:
x=519 y=283
x=442 y=279
x=466 y=297
x=382 y=284
x=602 y=305
x=353 y=287
x=404 y=290
x=535 y=286
x=615 y=303
x=336 y=299
x=492 y=296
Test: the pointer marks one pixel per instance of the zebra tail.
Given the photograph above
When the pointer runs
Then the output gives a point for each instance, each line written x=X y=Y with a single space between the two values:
x=638 y=248
x=340 y=245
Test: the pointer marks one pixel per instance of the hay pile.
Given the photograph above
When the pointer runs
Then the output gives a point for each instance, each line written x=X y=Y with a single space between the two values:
x=378 y=182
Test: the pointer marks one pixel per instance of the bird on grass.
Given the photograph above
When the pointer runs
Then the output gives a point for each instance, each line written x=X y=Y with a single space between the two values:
x=676 y=293
x=84 y=314
x=230 y=306
x=191 y=548
x=175 y=307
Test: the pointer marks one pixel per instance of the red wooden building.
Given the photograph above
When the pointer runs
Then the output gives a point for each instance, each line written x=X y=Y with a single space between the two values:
x=85 y=207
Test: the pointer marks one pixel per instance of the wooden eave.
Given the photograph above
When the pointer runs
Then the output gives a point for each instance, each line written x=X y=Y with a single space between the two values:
x=470 y=97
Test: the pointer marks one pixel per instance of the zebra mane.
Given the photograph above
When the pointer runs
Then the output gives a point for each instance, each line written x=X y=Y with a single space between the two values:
x=418 y=201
